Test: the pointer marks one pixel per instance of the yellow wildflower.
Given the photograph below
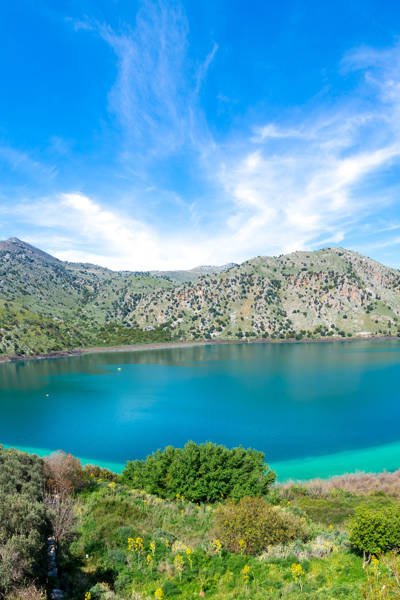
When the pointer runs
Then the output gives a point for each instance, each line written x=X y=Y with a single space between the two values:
x=152 y=547
x=242 y=545
x=159 y=594
x=217 y=546
x=179 y=563
x=297 y=573
x=88 y=596
x=246 y=572
x=297 y=570
x=149 y=560
x=138 y=544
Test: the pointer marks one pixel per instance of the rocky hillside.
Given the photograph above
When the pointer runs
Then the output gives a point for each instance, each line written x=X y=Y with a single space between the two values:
x=47 y=304
x=327 y=292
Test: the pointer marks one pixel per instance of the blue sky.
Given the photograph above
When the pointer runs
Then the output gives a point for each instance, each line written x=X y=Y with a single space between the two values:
x=167 y=134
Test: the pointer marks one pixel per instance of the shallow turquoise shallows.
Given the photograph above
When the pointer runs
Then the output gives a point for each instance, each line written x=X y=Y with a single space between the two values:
x=315 y=409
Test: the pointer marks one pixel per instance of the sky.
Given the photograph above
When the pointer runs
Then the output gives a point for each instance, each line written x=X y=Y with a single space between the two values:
x=161 y=134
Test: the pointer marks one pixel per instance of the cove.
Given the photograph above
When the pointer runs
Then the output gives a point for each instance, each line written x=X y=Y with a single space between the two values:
x=315 y=409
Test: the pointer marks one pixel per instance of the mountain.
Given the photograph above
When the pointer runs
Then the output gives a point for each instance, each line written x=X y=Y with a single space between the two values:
x=192 y=274
x=47 y=304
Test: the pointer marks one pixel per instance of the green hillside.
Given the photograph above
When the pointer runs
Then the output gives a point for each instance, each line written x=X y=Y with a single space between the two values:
x=47 y=304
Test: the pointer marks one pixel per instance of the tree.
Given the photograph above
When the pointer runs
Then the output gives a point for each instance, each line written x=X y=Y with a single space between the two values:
x=63 y=472
x=375 y=531
x=61 y=513
x=201 y=473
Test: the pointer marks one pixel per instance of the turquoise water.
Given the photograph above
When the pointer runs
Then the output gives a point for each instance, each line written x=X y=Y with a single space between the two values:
x=314 y=409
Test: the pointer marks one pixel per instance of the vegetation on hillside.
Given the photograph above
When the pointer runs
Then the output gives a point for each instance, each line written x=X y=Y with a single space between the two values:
x=115 y=542
x=49 y=305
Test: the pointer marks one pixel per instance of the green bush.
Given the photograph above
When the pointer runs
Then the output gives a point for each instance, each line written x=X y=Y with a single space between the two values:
x=252 y=524
x=374 y=531
x=201 y=473
x=23 y=520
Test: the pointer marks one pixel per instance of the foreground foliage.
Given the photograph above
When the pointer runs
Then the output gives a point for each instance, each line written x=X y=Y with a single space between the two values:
x=116 y=542
x=23 y=519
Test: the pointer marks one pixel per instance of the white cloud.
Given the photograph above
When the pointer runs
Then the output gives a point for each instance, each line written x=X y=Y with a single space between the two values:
x=307 y=185
x=273 y=131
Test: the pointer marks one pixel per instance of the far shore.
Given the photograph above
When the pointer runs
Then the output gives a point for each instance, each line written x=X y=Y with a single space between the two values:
x=188 y=344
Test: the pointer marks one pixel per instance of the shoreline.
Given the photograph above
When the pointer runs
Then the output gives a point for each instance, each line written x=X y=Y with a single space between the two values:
x=187 y=344
x=375 y=460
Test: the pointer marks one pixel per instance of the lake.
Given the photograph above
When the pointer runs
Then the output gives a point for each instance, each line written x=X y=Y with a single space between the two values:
x=315 y=409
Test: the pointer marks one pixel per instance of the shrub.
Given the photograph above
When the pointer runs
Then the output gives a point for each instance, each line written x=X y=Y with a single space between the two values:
x=23 y=520
x=201 y=473
x=96 y=472
x=28 y=593
x=252 y=524
x=375 y=531
x=63 y=472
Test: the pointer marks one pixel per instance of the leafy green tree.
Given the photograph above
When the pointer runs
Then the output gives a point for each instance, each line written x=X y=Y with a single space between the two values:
x=375 y=531
x=201 y=473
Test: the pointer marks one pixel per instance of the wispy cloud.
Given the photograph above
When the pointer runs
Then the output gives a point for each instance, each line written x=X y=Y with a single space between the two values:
x=203 y=68
x=155 y=95
x=22 y=161
x=149 y=94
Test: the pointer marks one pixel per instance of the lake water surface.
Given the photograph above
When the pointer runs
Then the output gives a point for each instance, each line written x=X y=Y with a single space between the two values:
x=315 y=409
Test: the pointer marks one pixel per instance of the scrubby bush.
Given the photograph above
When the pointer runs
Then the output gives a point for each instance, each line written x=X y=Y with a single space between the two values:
x=201 y=473
x=23 y=520
x=28 y=593
x=252 y=524
x=63 y=473
x=21 y=473
x=375 y=531
x=96 y=472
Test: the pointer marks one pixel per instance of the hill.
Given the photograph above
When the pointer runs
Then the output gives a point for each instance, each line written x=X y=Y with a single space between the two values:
x=47 y=304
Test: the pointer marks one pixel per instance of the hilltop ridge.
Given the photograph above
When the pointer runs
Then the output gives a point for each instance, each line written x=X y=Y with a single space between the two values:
x=48 y=304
